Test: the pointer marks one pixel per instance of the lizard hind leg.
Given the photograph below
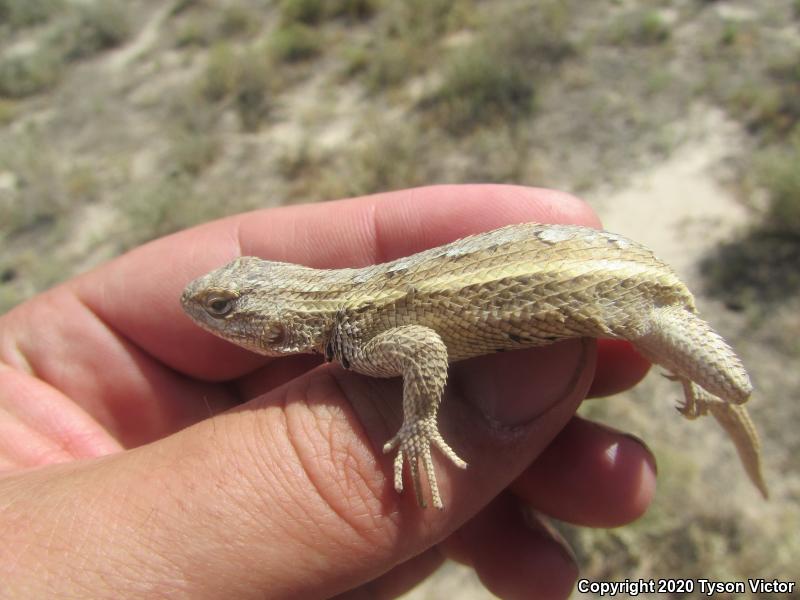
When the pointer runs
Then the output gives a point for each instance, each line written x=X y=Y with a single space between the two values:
x=695 y=399
x=712 y=376
x=687 y=346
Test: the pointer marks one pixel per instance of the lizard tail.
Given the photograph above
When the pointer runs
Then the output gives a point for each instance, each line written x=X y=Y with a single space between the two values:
x=736 y=422
x=734 y=419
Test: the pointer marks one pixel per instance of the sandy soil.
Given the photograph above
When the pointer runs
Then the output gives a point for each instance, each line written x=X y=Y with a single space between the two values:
x=679 y=208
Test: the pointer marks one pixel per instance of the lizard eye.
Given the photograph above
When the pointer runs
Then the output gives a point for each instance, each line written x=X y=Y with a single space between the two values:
x=219 y=306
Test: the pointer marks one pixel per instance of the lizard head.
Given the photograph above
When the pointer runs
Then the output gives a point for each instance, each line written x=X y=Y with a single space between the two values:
x=259 y=305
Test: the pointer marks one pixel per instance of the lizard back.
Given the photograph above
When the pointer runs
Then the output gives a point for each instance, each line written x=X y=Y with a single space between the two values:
x=518 y=286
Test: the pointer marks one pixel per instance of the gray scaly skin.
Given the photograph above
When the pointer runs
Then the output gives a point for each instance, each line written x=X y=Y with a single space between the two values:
x=515 y=287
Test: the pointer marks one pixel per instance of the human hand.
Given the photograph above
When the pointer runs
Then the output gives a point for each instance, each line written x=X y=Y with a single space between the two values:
x=142 y=456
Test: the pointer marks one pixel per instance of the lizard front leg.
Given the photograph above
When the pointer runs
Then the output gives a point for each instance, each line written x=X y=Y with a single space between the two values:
x=419 y=355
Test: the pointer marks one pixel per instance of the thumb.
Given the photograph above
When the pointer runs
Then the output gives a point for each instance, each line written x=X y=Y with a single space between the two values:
x=285 y=496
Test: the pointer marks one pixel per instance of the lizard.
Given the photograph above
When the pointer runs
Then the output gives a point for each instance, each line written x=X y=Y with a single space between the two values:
x=515 y=287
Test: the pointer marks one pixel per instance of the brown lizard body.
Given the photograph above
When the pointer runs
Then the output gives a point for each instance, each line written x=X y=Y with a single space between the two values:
x=515 y=287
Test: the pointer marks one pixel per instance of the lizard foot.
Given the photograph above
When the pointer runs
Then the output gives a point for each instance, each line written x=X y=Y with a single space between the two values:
x=695 y=399
x=413 y=442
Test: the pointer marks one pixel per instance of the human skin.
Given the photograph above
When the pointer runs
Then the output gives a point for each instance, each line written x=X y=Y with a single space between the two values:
x=142 y=456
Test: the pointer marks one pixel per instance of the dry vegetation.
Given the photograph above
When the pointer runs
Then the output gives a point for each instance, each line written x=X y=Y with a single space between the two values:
x=123 y=121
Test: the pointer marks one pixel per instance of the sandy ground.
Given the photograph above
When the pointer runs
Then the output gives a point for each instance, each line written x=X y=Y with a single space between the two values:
x=679 y=208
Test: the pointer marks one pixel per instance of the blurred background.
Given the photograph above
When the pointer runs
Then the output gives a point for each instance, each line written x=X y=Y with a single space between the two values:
x=122 y=121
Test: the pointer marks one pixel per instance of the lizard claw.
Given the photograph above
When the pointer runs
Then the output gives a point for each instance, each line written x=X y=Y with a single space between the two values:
x=687 y=407
x=685 y=410
x=413 y=442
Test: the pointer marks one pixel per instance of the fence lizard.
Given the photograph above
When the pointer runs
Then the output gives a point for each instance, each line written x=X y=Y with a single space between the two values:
x=515 y=287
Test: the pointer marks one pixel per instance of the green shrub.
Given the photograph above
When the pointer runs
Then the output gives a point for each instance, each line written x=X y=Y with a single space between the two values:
x=295 y=42
x=193 y=152
x=243 y=78
x=779 y=173
x=191 y=111
x=480 y=86
x=425 y=21
x=182 y=6
x=302 y=11
x=28 y=74
x=195 y=31
x=407 y=40
x=312 y=12
x=205 y=27
x=353 y=9
x=497 y=76
x=88 y=29
x=759 y=269
x=785 y=76
x=8 y=111
x=37 y=199
x=386 y=156
x=92 y=28
x=652 y=29
x=770 y=105
x=298 y=163
x=157 y=208
x=221 y=74
x=82 y=184
x=642 y=27
x=730 y=33
x=392 y=158
x=237 y=20
x=254 y=91
x=389 y=63
x=23 y=13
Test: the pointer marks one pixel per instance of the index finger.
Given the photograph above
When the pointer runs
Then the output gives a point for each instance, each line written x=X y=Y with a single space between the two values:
x=137 y=294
